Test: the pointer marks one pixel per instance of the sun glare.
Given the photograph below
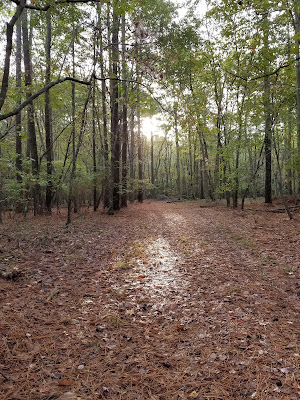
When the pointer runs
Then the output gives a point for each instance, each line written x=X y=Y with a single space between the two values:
x=151 y=124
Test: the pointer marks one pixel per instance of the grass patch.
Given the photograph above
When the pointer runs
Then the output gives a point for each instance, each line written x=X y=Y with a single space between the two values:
x=242 y=241
x=131 y=256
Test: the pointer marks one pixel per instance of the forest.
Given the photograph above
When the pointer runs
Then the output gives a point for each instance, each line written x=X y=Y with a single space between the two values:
x=80 y=77
x=149 y=199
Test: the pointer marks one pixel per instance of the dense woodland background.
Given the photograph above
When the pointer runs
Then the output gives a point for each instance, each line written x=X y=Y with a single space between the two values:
x=79 y=76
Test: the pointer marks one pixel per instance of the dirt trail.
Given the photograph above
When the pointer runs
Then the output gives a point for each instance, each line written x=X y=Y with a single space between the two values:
x=161 y=301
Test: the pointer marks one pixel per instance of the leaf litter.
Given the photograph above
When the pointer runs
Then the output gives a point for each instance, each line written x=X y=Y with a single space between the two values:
x=161 y=301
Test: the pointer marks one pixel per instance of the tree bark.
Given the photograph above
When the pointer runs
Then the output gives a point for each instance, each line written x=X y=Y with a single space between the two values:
x=75 y=155
x=152 y=160
x=37 y=202
x=8 y=49
x=268 y=122
x=177 y=155
x=1 y=194
x=132 y=157
x=48 y=116
x=19 y=115
x=106 y=196
x=297 y=32
x=71 y=195
x=140 y=194
x=95 y=194
x=124 y=118
x=115 y=128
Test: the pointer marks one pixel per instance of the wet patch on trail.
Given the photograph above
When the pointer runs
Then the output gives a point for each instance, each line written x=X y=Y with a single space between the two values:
x=157 y=276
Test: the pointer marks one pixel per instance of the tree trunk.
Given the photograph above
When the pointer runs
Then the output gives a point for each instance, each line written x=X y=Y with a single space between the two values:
x=115 y=129
x=177 y=155
x=19 y=115
x=48 y=116
x=140 y=194
x=106 y=196
x=132 y=157
x=237 y=156
x=289 y=156
x=207 y=179
x=95 y=195
x=37 y=203
x=152 y=160
x=72 y=196
x=8 y=49
x=268 y=123
x=297 y=32
x=124 y=118
x=1 y=194
x=75 y=155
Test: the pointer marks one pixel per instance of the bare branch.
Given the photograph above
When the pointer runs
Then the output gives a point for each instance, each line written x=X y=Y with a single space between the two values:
x=32 y=7
x=9 y=37
x=20 y=107
x=139 y=83
x=50 y=85
x=255 y=78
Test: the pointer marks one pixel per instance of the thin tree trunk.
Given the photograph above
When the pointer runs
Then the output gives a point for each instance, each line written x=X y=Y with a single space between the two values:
x=95 y=195
x=152 y=160
x=289 y=156
x=115 y=128
x=132 y=157
x=8 y=49
x=1 y=194
x=297 y=32
x=48 y=116
x=73 y=142
x=280 y=183
x=30 y=116
x=75 y=155
x=140 y=194
x=19 y=115
x=106 y=196
x=124 y=118
x=268 y=124
x=191 y=163
x=207 y=179
x=237 y=156
x=177 y=156
x=258 y=165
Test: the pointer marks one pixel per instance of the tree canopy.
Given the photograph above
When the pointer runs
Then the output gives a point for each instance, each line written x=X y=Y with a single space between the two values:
x=79 y=76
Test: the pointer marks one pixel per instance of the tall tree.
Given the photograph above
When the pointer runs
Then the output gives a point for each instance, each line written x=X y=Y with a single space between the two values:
x=30 y=118
x=19 y=115
x=48 y=114
x=114 y=92
x=268 y=115
x=124 y=116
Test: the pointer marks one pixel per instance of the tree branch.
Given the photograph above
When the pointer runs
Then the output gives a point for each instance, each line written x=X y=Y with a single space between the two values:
x=139 y=83
x=32 y=7
x=50 y=85
x=255 y=78
x=20 y=107
x=9 y=37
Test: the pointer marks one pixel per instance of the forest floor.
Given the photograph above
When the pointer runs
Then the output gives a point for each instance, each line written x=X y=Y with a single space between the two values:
x=161 y=302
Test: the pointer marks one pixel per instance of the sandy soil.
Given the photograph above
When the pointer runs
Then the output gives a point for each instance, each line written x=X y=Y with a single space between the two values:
x=161 y=301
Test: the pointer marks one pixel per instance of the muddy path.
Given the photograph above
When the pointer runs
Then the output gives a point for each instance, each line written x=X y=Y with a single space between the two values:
x=161 y=301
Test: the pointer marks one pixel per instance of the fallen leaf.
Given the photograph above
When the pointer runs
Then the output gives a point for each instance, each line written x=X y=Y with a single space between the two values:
x=64 y=382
